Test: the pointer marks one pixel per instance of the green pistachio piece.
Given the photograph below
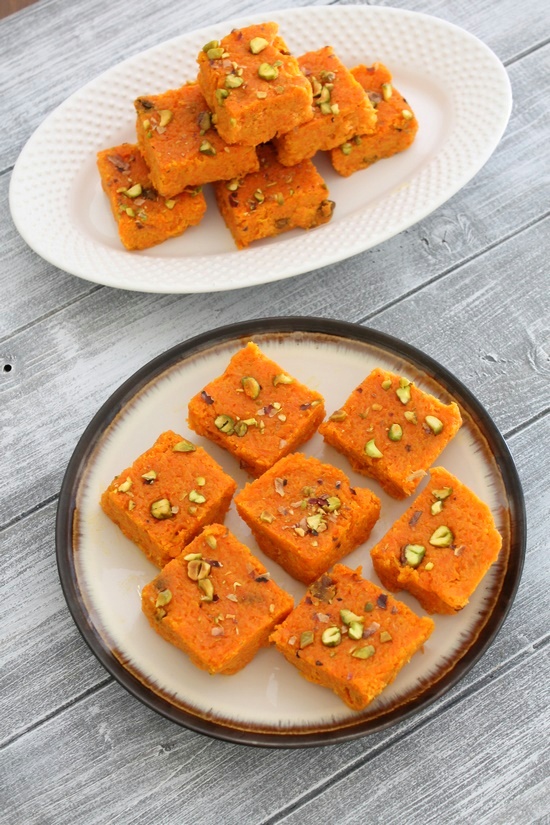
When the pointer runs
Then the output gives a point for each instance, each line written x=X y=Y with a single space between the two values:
x=372 y=450
x=395 y=432
x=208 y=590
x=404 y=393
x=257 y=45
x=200 y=481
x=429 y=566
x=170 y=203
x=386 y=90
x=268 y=72
x=385 y=636
x=314 y=522
x=436 y=508
x=165 y=117
x=198 y=569
x=207 y=149
x=211 y=541
x=331 y=637
x=369 y=607
x=355 y=631
x=125 y=486
x=251 y=387
x=163 y=598
x=325 y=108
x=196 y=498
x=220 y=95
x=413 y=554
x=161 y=509
x=192 y=556
x=443 y=493
x=410 y=416
x=346 y=148
x=435 y=424
x=241 y=429
x=386 y=383
x=184 y=447
x=215 y=53
x=225 y=423
x=407 y=114
x=150 y=476
x=212 y=44
x=348 y=617
x=364 y=652
x=338 y=415
x=441 y=537
x=333 y=504
x=335 y=109
x=266 y=516
x=232 y=81
x=281 y=378
x=134 y=191
x=306 y=639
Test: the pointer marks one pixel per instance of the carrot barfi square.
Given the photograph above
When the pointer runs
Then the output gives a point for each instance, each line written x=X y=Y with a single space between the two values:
x=350 y=636
x=256 y=411
x=216 y=602
x=144 y=217
x=396 y=124
x=441 y=547
x=392 y=431
x=273 y=200
x=306 y=515
x=253 y=85
x=180 y=144
x=340 y=109
x=167 y=496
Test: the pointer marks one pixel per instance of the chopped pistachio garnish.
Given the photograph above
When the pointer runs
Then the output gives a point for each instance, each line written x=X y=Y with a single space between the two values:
x=372 y=450
x=205 y=122
x=225 y=423
x=208 y=590
x=331 y=637
x=184 y=447
x=211 y=541
x=314 y=522
x=429 y=566
x=268 y=72
x=161 y=509
x=335 y=109
x=215 y=53
x=413 y=554
x=386 y=384
x=369 y=607
x=192 y=556
x=221 y=94
x=170 y=203
x=165 y=117
x=131 y=505
x=241 y=429
x=348 y=616
x=385 y=636
x=197 y=498
x=346 y=148
x=232 y=185
x=435 y=424
x=395 y=432
x=261 y=95
x=212 y=44
x=200 y=481
x=325 y=108
x=306 y=638
x=130 y=212
x=279 y=198
x=436 y=508
x=146 y=124
x=232 y=81
x=192 y=509
x=386 y=91
x=407 y=114
x=443 y=493
x=163 y=598
x=333 y=504
x=403 y=392
x=134 y=191
x=258 y=44
x=150 y=476
x=441 y=537
x=198 y=569
x=281 y=378
x=410 y=416
x=259 y=196
x=207 y=149
x=125 y=486
x=266 y=516
x=355 y=631
x=338 y=415
x=364 y=652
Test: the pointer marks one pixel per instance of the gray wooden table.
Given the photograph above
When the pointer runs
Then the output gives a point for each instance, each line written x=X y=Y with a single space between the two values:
x=75 y=746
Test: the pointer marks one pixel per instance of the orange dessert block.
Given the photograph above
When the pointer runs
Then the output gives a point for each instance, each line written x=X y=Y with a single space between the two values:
x=396 y=126
x=253 y=85
x=144 y=218
x=256 y=411
x=167 y=496
x=306 y=516
x=273 y=200
x=180 y=144
x=350 y=636
x=441 y=547
x=392 y=431
x=216 y=602
x=340 y=109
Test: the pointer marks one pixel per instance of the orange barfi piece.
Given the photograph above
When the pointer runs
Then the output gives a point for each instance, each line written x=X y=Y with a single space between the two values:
x=392 y=431
x=144 y=218
x=256 y=411
x=396 y=126
x=441 y=547
x=186 y=150
x=273 y=200
x=350 y=636
x=216 y=602
x=253 y=85
x=306 y=515
x=167 y=496
x=340 y=109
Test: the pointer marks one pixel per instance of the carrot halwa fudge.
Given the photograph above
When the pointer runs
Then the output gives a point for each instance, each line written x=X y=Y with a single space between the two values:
x=340 y=109
x=253 y=85
x=441 y=547
x=273 y=200
x=144 y=218
x=350 y=636
x=256 y=411
x=306 y=516
x=167 y=496
x=396 y=125
x=180 y=144
x=392 y=431
x=216 y=602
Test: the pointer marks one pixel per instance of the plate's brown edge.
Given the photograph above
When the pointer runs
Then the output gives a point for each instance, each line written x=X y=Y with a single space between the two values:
x=209 y=723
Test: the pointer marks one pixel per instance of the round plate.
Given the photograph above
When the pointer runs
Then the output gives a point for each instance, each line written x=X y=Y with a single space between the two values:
x=268 y=702
x=442 y=71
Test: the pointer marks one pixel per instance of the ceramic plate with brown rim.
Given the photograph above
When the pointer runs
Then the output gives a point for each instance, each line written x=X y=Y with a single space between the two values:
x=268 y=702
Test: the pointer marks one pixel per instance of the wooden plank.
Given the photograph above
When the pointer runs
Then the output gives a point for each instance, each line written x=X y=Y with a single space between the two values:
x=45 y=642
x=485 y=211
x=42 y=391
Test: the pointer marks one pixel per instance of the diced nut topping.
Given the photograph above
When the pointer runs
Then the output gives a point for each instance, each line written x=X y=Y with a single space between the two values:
x=198 y=569
x=410 y=416
x=149 y=477
x=435 y=424
x=165 y=117
x=436 y=508
x=164 y=597
x=282 y=378
x=338 y=415
x=385 y=636
x=161 y=509
x=211 y=541
x=257 y=45
x=196 y=498
x=386 y=384
x=233 y=81
x=407 y=114
x=441 y=537
x=184 y=447
x=403 y=391
x=395 y=432
x=125 y=486
x=268 y=72
x=364 y=652
x=250 y=386
x=224 y=423
x=346 y=148
x=208 y=590
x=331 y=637
x=372 y=450
x=306 y=638
x=386 y=90
x=348 y=616
x=429 y=566
x=443 y=493
x=267 y=517
x=413 y=554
